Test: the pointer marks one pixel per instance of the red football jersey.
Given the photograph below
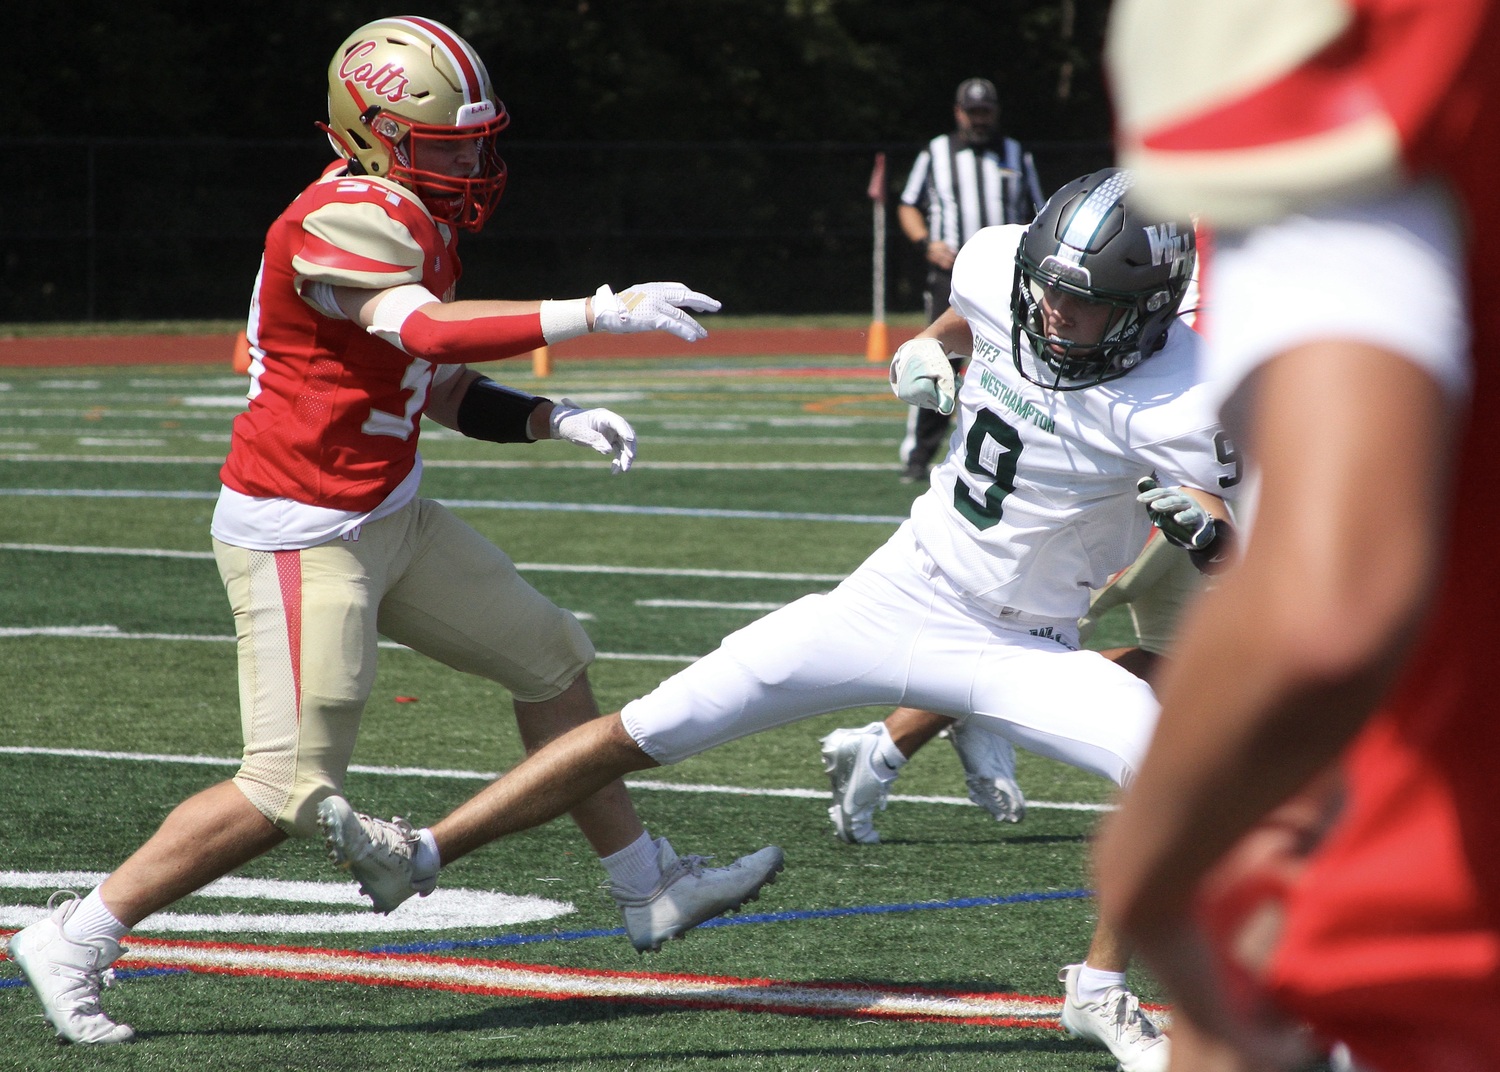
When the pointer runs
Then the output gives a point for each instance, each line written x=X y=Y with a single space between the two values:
x=1393 y=934
x=1393 y=938
x=334 y=410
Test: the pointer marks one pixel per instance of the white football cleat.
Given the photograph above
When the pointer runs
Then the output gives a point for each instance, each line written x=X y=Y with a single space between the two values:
x=857 y=792
x=377 y=853
x=689 y=893
x=1116 y=1023
x=989 y=771
x=66 y=975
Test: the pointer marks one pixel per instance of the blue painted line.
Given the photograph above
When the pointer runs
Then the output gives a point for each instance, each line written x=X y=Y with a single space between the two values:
x=123 y=975
x=739 y=920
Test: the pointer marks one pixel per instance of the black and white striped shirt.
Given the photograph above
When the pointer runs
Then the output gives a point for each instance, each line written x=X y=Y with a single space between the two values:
x=963 y=191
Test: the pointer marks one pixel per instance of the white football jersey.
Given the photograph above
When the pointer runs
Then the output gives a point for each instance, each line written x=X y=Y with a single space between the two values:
x=1035 y=505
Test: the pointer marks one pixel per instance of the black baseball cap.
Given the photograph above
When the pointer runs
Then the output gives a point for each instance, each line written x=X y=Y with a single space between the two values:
x=977 y=93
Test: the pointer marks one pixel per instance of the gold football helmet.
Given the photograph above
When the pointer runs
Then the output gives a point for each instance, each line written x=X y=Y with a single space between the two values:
x=410 y=100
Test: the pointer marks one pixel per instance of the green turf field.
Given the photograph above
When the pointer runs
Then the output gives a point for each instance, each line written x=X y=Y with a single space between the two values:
x=119 y=698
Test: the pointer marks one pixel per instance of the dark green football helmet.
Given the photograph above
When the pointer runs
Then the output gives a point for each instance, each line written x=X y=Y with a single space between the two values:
x=1089 y=241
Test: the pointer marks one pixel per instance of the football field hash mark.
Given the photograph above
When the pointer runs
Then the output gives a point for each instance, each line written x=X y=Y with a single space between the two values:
x=489 y=776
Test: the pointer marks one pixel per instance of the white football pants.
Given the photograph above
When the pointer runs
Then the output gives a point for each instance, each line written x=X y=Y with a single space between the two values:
x=896 y=632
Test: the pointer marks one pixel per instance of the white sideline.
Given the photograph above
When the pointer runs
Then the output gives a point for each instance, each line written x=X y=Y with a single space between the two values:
x=111 y=632
x=492 y=504
x=489 y=776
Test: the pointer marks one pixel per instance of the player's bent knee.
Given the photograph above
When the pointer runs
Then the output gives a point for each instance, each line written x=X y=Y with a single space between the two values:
x=299 y=817
x=293 y=811
x=266 y=797
x=568 y=656
x=619 y=739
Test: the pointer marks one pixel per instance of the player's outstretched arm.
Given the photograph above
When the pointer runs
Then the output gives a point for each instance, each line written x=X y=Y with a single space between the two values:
x=416 y=321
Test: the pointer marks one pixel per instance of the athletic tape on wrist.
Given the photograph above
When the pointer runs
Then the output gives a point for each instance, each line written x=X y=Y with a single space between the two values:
x=564 y=319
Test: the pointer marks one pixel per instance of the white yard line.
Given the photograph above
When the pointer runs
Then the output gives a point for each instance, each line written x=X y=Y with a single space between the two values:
x=110 y=632
x=489 y=776
x=534 y=567
x=706 y=604
x=495 y=504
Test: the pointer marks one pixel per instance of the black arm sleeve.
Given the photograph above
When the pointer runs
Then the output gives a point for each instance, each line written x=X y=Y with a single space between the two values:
x=498 y=414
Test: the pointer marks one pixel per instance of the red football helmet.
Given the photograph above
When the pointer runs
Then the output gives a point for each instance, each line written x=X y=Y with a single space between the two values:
x=410 y=100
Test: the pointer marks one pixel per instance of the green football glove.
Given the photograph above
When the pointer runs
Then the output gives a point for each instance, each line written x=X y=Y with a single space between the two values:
x=1181 y=518
x=922 y=375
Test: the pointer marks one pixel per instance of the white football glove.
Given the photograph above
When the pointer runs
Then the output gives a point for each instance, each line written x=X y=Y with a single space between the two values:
x=1180 y=517
x=921 y=375
x=652 y=307
x=599 y=429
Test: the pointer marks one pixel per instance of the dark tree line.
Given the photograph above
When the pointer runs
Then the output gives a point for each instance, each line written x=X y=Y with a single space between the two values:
x=572 y=70
x=726 y=141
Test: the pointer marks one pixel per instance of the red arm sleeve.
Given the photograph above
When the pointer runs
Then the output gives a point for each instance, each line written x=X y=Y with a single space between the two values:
x=485 y=338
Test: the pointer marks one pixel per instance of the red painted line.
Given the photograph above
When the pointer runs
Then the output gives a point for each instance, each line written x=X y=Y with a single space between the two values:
x=212 y=349
x=555 y=983
x=61 y=352
x=423 y=971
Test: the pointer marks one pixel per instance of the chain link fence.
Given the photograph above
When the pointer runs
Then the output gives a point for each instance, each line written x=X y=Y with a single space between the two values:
x=138 y=229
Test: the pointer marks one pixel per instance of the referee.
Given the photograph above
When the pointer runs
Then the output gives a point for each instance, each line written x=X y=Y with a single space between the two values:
x=962 y=181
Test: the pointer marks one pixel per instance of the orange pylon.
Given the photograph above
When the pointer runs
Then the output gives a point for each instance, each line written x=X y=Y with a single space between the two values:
x=877 y=342
x=241 y=360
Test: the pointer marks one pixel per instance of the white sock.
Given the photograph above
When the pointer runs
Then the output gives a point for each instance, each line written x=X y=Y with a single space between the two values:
x=426 y=861
x=91 y=920
x=635 y=870
x=886 y=759
x=1093 y=984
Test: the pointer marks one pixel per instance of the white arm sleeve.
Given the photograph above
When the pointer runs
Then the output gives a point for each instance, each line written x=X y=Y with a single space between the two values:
x=1388 y=271
x=394 y=306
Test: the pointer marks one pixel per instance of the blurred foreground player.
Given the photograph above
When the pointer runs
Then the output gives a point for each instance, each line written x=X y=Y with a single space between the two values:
x=1354 y=145
x=322 y=541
